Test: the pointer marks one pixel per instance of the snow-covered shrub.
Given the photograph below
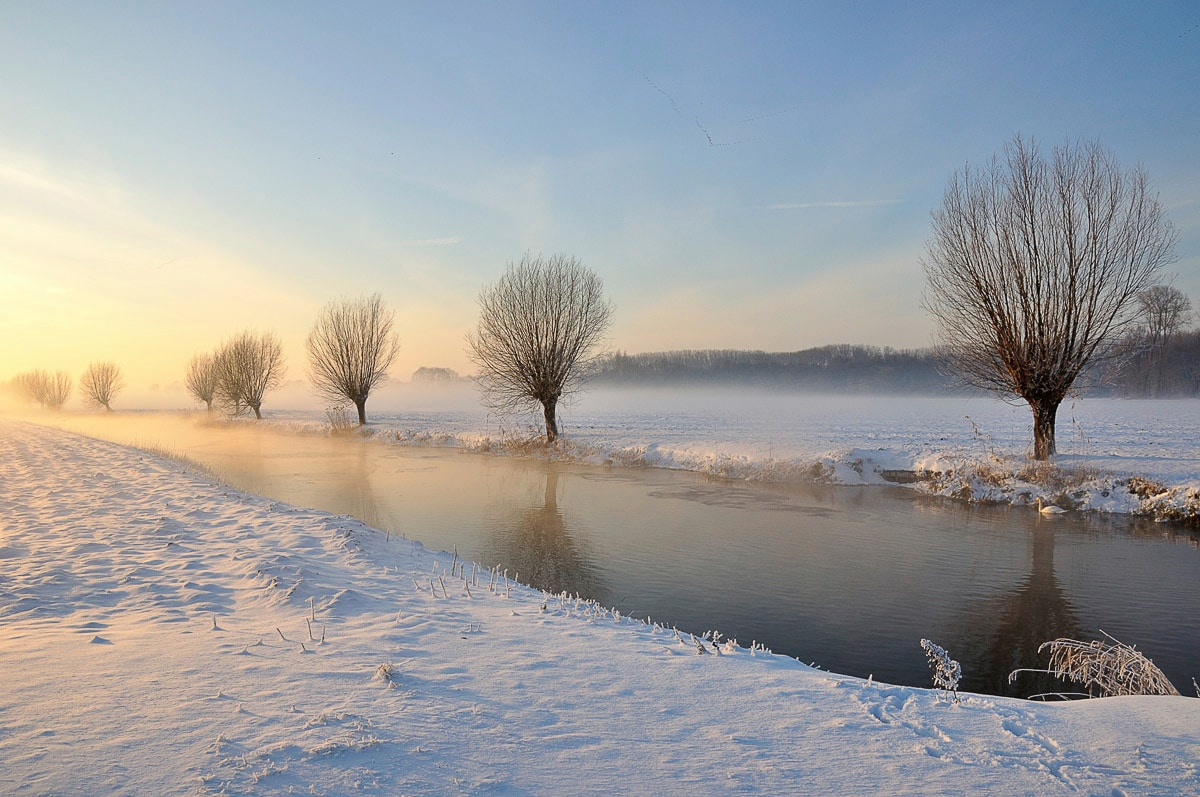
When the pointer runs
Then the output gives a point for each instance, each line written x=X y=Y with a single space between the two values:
x=946 y=671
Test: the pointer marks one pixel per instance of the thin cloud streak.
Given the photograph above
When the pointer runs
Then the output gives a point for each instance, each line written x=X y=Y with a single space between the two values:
x=864 y=203
x=450 y=241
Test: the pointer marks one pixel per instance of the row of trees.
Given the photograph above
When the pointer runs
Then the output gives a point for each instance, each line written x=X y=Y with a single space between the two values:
x=540 y=327
x=350 y=347
x=99 y=384
x=1037 y=270
x=238 y=374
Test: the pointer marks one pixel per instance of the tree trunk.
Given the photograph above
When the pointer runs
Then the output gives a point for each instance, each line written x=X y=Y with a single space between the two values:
x=257 y=414
x=362 y=412
x=1045 y=411
x=551 y=424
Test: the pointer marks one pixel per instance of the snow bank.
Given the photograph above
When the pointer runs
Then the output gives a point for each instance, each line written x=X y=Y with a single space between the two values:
x=164 y=634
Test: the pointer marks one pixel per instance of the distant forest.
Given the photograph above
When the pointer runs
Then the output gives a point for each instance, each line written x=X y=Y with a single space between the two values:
x=839 y=368
x=1170 y=370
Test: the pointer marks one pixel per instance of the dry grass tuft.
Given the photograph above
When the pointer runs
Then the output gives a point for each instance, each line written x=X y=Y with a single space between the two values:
x=341 y=421
x=1113 y=668
x=1145 y=488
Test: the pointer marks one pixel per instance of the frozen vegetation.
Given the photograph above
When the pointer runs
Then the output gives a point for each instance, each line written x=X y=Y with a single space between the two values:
x=165 y=634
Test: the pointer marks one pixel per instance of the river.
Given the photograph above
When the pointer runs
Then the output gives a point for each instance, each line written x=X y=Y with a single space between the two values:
x=847 y=578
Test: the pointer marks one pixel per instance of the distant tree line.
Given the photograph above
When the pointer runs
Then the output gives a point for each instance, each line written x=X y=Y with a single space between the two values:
x=1169 y=370
x=836 y=368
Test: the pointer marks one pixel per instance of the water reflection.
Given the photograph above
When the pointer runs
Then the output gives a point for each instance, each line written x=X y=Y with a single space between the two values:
x=1003 y=633
x=535 y=541
x=352 y=476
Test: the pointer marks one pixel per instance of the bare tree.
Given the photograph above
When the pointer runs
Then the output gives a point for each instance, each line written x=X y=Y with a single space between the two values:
x=100 y=383
x=55 y=389
x=539 y=328
x=247 y=367
x=1034 y=269
x=201 y=378
x=350 y=347
x=31 y=386
x=1165 y=311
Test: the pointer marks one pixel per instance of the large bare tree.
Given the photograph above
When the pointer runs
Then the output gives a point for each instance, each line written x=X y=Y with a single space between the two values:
x=1034 y=269
x=350 y=347
x=247 y=367
x=539 y=328
x=100 y=384
x=201 y=378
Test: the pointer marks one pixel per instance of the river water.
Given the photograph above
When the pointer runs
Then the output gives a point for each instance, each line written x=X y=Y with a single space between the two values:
x=848 y=578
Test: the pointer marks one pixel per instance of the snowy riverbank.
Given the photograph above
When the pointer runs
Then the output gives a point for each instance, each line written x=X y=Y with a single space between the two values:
x=969 y=447
x=167 y=635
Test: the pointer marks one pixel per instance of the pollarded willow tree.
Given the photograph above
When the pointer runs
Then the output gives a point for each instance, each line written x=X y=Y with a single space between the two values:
x=247 y=367
x=1034 y=269
x=539 y=328
x=100 y=384
x=201 y=378
x=350 y=347
x=54 y=390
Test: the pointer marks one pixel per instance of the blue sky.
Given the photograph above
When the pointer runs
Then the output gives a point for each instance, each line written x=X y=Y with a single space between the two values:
x=742 y=176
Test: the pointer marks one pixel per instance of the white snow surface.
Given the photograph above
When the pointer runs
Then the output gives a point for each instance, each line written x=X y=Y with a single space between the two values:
x=164 y=634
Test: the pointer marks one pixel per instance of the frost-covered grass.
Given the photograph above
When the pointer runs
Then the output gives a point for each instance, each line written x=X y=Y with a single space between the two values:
x=165 y=634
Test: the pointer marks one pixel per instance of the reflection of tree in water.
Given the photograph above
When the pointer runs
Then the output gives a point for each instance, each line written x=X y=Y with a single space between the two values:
x=535 y=542
x=1003 y=633
x=353 y=486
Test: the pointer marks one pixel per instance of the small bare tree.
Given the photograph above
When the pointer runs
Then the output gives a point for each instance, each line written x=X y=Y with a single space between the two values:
x=31 y=386
x=247 y=367
x=55 y=389
x=350 y=347
x=100 y=383
x=1165 y=311
x=1034 y=269
x=201 y=378
x=539 y=328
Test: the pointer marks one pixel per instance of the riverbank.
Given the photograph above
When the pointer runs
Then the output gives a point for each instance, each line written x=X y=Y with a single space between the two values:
x=165 y=634
x=1119 y=456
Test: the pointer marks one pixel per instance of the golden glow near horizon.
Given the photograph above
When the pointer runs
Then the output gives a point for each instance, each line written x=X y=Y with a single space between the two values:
x=170 y=179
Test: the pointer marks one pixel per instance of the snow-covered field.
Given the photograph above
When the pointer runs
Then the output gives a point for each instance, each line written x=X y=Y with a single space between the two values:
x=163 y=634
x=977 y=445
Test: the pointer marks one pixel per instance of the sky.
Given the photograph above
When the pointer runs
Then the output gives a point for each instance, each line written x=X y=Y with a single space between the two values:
x=740 y=175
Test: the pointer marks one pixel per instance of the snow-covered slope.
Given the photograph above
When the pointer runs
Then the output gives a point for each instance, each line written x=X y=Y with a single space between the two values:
x=162 y=634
